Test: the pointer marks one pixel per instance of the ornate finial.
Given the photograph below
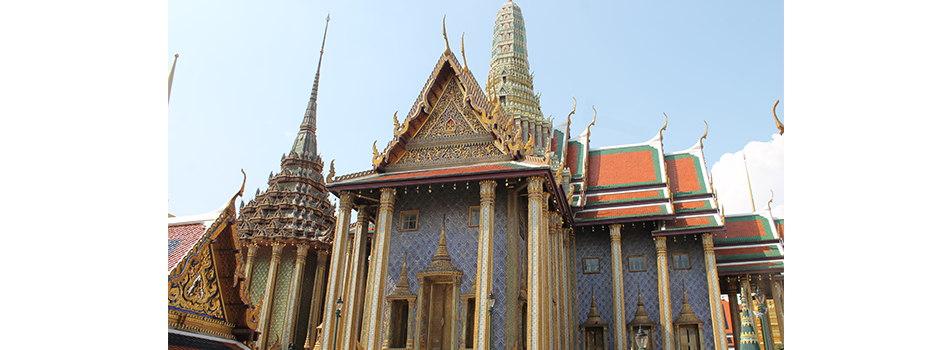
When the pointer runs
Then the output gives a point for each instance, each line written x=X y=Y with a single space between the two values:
x=377 y=158
x=241 y=192
x=572 y=113
x=664 y=125
x=445 y=36
x=778 y=124
x=332 y=172
x=171 y=76
x=769 y=204
x=591 y=122
x=464 y=62
x=704 y=134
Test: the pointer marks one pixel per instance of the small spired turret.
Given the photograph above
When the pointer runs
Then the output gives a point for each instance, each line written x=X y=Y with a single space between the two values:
x=747 y=338
x=510 y=79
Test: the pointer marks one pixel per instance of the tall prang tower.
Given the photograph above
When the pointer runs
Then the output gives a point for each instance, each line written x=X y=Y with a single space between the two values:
x=510 y=79
x=284 y=239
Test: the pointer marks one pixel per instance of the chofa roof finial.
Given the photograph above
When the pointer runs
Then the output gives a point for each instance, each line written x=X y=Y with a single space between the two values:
x=445 y=36
x=778 y=124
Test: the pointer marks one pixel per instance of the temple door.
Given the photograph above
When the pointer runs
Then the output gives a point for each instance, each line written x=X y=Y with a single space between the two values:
x=689 y=337
x=440 y=317
x=594 y=338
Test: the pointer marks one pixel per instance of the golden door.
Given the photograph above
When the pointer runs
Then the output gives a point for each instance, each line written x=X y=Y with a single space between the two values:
x=440 y=317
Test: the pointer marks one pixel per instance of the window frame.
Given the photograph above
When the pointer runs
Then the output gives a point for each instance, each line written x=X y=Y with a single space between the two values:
x=584 y=264
x=630 y=265
x=402 y=220
x=688 y=264
x=476 y=210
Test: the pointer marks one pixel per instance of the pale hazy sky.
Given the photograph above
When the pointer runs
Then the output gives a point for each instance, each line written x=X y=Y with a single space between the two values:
x=245 y=71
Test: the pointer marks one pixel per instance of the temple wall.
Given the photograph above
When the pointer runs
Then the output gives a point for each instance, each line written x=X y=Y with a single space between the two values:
x=594 y=244
x=638 y=241
x=461 y=241
x=697 y=288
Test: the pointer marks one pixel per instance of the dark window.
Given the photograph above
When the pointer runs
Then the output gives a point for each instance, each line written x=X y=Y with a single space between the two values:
x=408 y=220
x=681 y=261
x=591 y=265
x=399 y=321
x=636 y=263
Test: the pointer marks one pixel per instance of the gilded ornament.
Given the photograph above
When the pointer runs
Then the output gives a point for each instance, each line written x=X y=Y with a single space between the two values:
x=587 y=131
x=332 y=172
x=704 y=134
x=778 y=124
x=464 y=61
x=667 y=120
x=447 y=51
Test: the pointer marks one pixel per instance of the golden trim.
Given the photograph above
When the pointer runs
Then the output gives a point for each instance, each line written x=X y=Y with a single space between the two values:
x=665 y=122
x=704 y=134
x=447 y=51
x=587 y=131
x=332 y=173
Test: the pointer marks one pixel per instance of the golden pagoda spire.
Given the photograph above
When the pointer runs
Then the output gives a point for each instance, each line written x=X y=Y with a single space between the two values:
x=306 y=142
x=748 y=180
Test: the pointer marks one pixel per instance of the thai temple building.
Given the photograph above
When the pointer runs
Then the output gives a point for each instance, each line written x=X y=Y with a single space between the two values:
x=480 y=225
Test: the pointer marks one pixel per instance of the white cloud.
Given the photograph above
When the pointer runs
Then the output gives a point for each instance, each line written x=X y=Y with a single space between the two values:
x=766 y=162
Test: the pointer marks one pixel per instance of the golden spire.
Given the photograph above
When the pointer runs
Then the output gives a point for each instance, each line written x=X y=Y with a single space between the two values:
x=747 y=179
x=778 y=124
x=445 y=36
x=171 y=75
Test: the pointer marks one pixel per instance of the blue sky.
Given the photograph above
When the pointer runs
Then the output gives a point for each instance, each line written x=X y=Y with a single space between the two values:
x=245 y=71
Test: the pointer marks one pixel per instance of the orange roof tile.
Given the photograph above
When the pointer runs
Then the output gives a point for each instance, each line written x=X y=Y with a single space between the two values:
x=622 y=197
x=683 y=175
x=632 y=165
x=180 y=239
x=621 y=212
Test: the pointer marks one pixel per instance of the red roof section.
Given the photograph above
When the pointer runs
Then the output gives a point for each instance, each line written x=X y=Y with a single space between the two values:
x=572 y=158
x=607 y=213
x=737 y=229
x=180 y=239
x=690 y=221
x=622 y=196
x=621 y=168
x=682 y=173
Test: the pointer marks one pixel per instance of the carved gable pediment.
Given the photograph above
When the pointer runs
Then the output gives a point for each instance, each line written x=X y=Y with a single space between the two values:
x=452 y=123
x=451 y=135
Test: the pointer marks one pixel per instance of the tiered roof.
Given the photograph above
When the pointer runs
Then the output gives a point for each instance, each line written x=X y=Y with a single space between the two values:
x=295 y=206
x=750 y=244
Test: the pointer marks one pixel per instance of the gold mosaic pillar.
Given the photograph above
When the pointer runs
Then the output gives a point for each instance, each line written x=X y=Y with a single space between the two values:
x=411 y=327
x=779 y=309
x=483 y=279
x=316 y=305
x=616 y=268
x=715 y=302
x=293 y=297
x=535 y=218
x=422 y=297
x=572 y=278
x=513 y=268
x=546 y=307
x=562 y=302
x=555 y=267
x=248 y=269
x=276 y=248
x=335 y=276
x=663 y=279
x=350 y=320
x=376 y=284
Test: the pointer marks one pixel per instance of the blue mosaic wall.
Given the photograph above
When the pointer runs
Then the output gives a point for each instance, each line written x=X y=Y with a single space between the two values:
x=594 y=242
x=697 y=288
x=461 y=240
x=635 y=240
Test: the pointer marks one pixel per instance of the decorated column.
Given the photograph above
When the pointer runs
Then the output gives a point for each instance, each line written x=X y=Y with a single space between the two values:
x=734 y=308
x=663 y=279
x=779 y=308
x=316 y=305
x=293 y=298
x=350 y=321
x=483 y=283
x=535 y=218
x=376 y=283
x=335 y=276
x=249 y=267
x=411 y=327
x=616 y=268
x=715 y=303
x=276 y=248
x=746 y=291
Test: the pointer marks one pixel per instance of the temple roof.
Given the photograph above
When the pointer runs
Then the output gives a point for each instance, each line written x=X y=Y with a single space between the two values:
x=179 y=340
x=750 y=243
